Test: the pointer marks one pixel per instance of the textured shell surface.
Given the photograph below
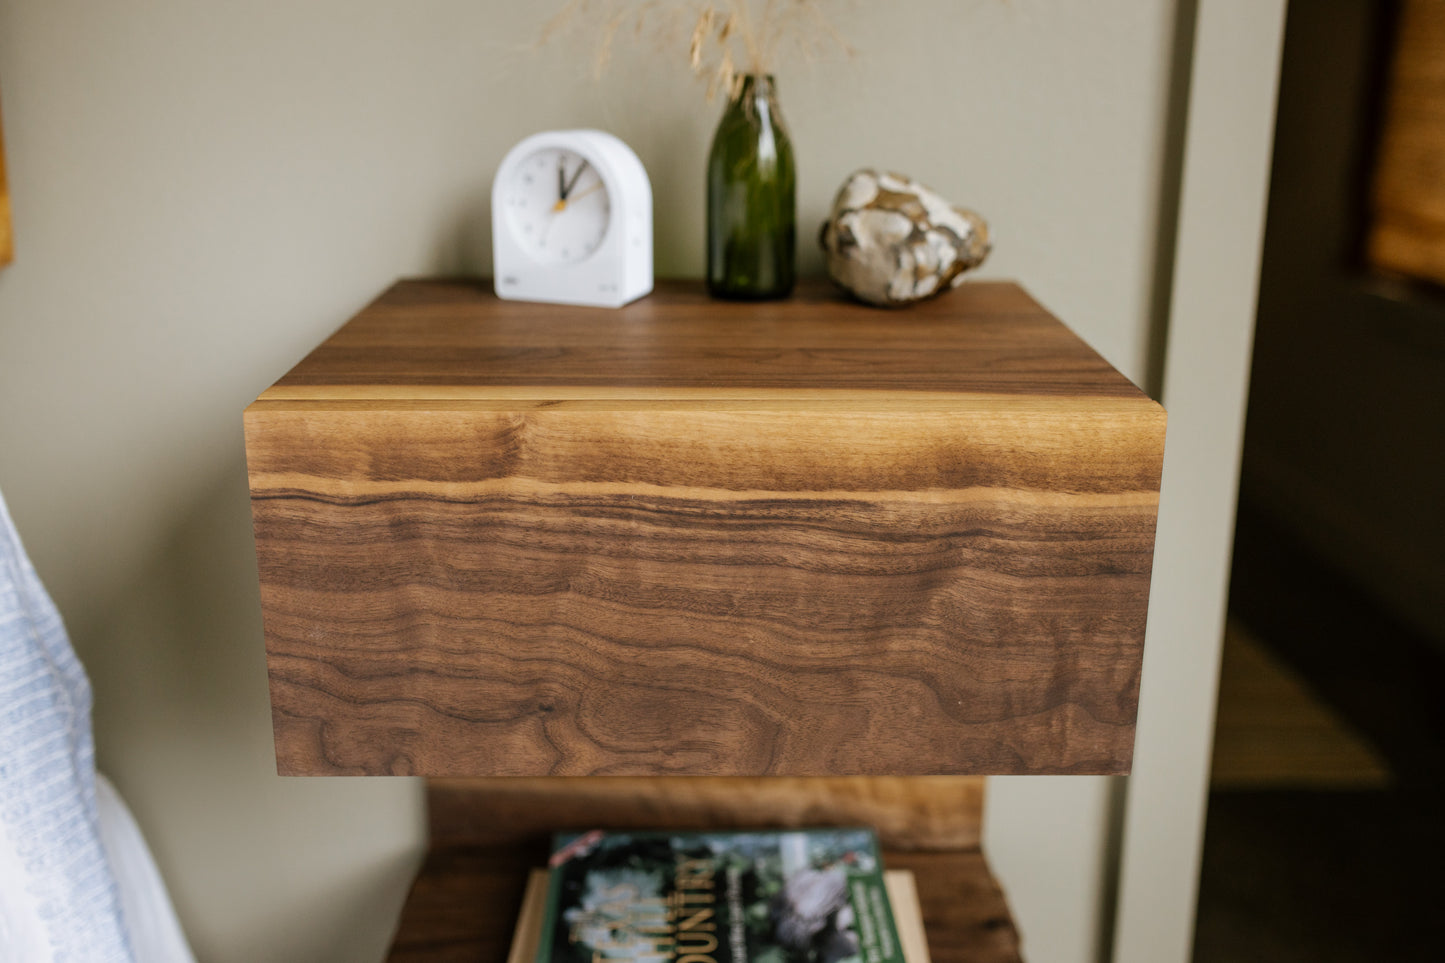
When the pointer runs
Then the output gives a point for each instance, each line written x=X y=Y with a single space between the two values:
x=891 y=241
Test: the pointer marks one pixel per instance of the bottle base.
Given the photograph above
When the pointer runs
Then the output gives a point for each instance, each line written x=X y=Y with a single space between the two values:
x=727 y=293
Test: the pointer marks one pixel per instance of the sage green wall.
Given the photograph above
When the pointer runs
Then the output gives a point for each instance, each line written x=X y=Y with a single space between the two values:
x=202 y=191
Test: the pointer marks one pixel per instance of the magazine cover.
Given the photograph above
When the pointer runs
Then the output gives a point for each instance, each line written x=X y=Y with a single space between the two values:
x=799 y=896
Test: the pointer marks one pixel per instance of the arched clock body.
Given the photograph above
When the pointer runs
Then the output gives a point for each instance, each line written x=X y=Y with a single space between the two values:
x=572 y=221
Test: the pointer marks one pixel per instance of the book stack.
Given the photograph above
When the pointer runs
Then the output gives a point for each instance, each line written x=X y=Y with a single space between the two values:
x=783 y=896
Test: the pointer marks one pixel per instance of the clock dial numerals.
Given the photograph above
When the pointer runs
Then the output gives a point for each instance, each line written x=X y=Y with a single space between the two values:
x=558 y=206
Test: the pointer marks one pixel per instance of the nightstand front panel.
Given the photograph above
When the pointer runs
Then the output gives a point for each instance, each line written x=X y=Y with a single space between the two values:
x=741 y=587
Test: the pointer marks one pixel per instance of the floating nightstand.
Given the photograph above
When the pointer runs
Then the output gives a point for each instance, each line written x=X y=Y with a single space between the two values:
x=696 y=538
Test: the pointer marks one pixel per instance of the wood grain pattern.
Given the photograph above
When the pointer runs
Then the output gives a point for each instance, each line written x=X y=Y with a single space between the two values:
x=984 y=338
x=800 y=538
x=463 y=906
x=909 y=813
x=1408 y=233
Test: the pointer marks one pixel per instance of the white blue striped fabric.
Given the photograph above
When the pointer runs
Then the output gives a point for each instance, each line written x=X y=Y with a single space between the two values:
x=58 y=899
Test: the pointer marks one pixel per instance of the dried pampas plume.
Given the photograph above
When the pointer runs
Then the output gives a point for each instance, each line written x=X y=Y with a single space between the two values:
x=725 y=40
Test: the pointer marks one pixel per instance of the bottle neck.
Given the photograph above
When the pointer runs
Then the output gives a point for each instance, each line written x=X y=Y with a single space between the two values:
x=757 y=87
x=756 y=100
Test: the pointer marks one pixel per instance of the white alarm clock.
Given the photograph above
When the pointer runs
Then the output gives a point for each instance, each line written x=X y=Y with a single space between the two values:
x=572 y=221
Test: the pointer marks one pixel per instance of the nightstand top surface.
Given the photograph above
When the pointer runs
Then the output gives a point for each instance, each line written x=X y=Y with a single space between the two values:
x=455 y=340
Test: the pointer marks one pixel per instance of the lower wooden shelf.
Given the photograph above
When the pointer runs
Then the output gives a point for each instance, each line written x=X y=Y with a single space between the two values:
x=487 y=834
x=464 y=904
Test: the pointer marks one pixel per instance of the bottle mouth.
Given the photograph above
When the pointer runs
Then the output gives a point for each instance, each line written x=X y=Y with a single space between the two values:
x=751 y=83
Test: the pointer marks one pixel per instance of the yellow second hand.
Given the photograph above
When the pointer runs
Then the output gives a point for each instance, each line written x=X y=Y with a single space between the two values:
x=561 y=205
x=589 y=190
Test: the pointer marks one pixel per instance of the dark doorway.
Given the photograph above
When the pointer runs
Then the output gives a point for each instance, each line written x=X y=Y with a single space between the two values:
x=1324 y=839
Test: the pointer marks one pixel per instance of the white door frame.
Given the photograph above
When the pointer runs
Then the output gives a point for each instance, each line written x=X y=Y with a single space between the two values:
x=1227 y=149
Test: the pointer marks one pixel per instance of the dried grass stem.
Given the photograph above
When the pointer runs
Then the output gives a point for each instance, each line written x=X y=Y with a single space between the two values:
x=720 y=35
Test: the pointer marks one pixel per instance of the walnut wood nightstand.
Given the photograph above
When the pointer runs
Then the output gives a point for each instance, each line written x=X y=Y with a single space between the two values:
x=702 y=539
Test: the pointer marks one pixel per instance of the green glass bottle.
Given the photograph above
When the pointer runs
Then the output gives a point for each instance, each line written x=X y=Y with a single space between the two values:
x=751 y=198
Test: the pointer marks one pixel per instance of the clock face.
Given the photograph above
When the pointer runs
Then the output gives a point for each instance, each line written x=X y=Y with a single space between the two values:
x=557 y=205
x=572 y=221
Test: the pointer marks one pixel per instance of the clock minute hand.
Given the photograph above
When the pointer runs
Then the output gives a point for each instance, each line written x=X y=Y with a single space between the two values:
x=573 y=182
x=594 y=186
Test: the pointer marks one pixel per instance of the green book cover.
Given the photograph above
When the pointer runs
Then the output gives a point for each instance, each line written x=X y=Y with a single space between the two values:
x=784 y=896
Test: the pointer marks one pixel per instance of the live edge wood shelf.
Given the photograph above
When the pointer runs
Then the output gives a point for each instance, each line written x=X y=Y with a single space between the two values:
x=698 y=539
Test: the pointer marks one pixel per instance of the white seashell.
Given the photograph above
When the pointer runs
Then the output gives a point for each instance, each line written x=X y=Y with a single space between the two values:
x=891 y=241
x=858 y=192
